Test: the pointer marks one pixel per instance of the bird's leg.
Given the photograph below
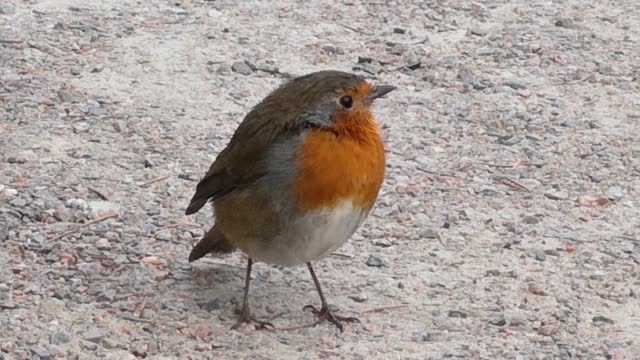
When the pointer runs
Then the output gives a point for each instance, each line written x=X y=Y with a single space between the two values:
x=245 y=312
x=325 y=313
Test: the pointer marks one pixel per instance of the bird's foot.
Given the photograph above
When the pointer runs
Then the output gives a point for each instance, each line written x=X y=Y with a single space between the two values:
x=246 y=318
x=326 y=314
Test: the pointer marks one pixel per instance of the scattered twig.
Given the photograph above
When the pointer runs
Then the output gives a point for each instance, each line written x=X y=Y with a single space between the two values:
x=155 y=180
x=8 y=306
x=100 y=194
x=133 y=318
x=512 y=183
x=101 y=218
x=303 y=326
x=434 y=172
x=177 y=225
x=385 y=308
x=346 y=256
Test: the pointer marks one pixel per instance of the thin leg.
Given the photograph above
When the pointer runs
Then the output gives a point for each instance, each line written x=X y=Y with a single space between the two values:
x=245 y=312
x=324 y=313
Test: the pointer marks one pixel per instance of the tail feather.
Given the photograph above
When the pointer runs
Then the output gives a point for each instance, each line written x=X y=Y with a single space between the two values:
x=212 y=242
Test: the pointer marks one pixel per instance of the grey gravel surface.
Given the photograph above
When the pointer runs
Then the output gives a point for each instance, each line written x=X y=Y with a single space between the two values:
x=508 y=226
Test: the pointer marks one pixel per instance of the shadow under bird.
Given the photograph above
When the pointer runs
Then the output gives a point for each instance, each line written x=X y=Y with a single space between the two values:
x=299 y=176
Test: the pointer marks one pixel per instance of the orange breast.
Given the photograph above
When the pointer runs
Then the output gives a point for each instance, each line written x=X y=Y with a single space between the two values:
x=341 y=164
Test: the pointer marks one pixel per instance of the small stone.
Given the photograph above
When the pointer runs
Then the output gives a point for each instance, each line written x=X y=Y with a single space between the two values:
x=547 y=330
x=7 y=346
x=530 y=219
x=241 y=67
x=615 y=193
x=429 y=234
x=566 y=23
x=601 y=319
x=7 y=9
x=540 y=256
x=52 y=307
x=478 y=31
x=359 y=298
x=165 y=235
x=103 y=244
x=18 y=202
x=94 y=335
x=269 y=69
x=397 y=30
x=382 y=243
x=514 y=85
x=42 y=352
x=77 y=204
x=552 y=252
x=89 y=345
x=89 y=268
x=498 y=321
x=557 y=195
x=457 y=314
x=202 y=331
x=52 y=258
x=374 y=261
x=399 y=49
x=59 y=338
x=102 y=208
x=333 y=49
x=536 y=289
x=211 y=305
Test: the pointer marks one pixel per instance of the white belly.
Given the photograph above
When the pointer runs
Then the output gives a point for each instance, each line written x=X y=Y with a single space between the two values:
x=312 y=236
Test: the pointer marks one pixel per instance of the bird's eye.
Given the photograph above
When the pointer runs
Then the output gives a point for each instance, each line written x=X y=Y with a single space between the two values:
x=346 y=101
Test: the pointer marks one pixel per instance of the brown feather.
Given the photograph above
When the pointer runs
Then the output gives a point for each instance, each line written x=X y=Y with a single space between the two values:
x=241 y=162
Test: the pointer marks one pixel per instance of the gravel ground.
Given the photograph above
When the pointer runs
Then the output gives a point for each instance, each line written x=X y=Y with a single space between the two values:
x=508 y=226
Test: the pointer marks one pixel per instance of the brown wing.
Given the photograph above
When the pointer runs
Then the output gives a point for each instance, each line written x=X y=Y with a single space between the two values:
x=241 y=162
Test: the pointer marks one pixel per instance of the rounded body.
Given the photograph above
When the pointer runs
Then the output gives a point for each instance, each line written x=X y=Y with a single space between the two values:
x=318 y=190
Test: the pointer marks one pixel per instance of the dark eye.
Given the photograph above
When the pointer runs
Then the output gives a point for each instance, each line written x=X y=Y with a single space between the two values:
x=346 y=101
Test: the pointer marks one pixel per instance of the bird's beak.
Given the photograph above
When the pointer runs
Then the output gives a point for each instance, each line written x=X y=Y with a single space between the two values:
x=380 y=90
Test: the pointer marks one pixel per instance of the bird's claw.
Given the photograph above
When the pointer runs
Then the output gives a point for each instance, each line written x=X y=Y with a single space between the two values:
x=325 y=314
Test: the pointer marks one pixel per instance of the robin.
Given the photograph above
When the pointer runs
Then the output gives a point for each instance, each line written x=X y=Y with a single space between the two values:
x=299 y=176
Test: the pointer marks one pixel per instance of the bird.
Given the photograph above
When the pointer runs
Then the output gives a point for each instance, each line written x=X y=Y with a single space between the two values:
x=298 y=177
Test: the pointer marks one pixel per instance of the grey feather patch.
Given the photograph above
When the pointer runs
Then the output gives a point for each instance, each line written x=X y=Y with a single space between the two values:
x=322 y=116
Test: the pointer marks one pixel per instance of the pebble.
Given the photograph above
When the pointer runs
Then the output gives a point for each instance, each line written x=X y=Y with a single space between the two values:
x=498 y=321
x=101 y=208
x=94 y=335
x=241 y=67
x=557 y=195
x=536 y=289
x=7 y=9
x=601 y=319
x=52 y=307
x=269 y=69
x=42 y=352
x=212 y=305
x=18 y=202
x=359 y=298
x=77 y=204
x=429 y=234
x=382 y=243
x=89 y=268
x=540 y=256
x=552 y=252
x=457 y=314
x=59 y=337
x=103 y=244
x=530 y=219
x=615 y=193
x=375 y=261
